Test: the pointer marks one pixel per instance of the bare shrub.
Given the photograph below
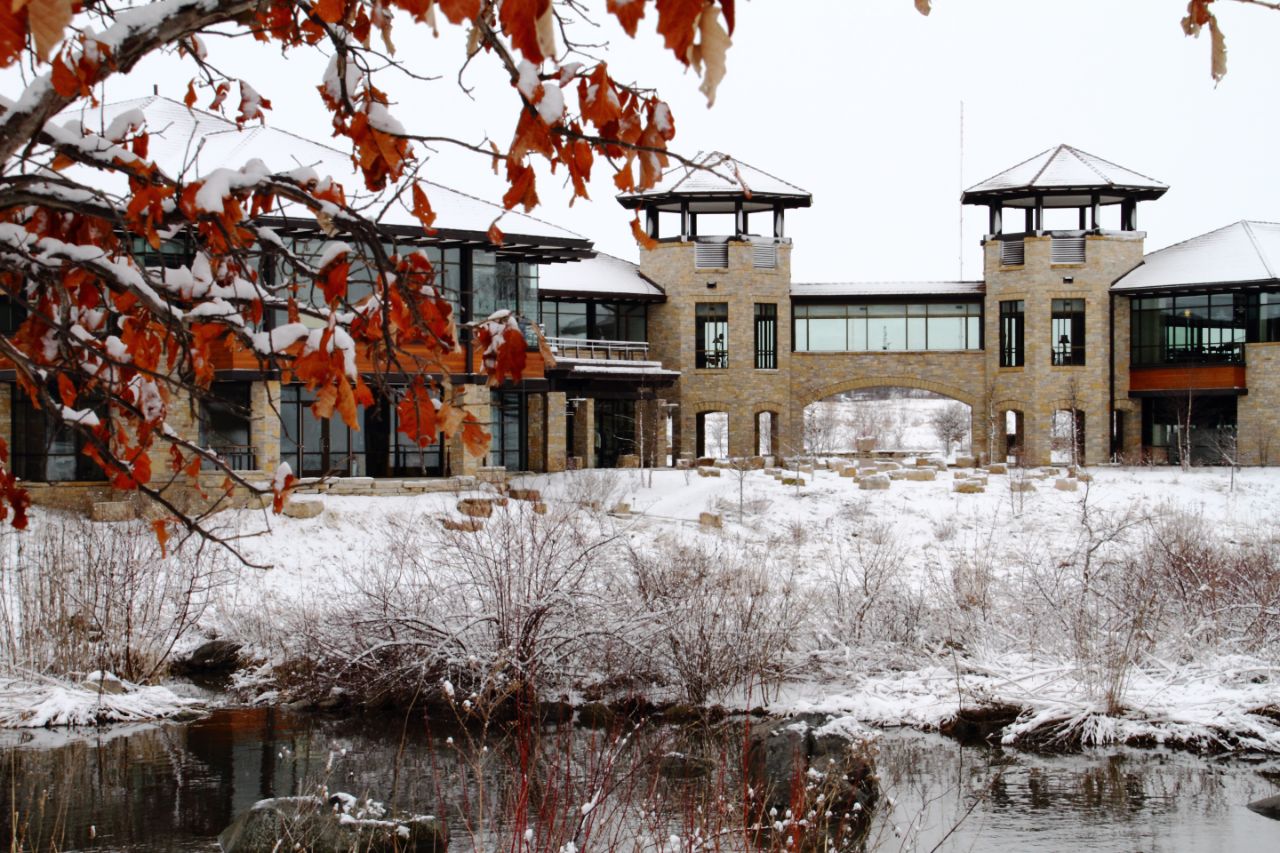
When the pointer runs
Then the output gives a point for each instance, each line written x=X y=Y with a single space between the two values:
x=862 y=586
x=596 y=488
x=77 y=596
x=504 y=612
x=720 y=618
x=951 y=425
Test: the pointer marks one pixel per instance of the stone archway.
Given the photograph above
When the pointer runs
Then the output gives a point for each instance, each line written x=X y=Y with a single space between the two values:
x=978 y=415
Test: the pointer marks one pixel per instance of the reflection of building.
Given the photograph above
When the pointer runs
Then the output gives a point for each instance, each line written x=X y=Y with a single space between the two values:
x=708 y=333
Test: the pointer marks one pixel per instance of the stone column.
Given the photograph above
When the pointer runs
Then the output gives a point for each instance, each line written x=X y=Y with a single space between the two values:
x=980 y=439
x=1036 y=429
x=264 y=424
x=555 y=431
x=476 y=400
x=742 y=433
x=584 y=432
x=537 y=436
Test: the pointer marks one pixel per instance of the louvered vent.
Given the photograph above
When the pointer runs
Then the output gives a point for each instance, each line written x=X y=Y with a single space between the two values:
x=1012 y=252
x=711 y=256
x=764 y=256
x=1067 y=250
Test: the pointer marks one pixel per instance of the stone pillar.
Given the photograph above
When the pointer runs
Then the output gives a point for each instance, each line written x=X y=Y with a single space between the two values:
x=1037 y=438
x=476 y=400
x=537 y=409
x=742 y=433
x=556 y=452
x=979 y=427
x=584 y=432
x=183 y=418
x=264 y=424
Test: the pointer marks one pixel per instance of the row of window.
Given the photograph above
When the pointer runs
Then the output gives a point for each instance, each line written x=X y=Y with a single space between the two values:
x=1202 y=328
x=1066 y=330
x=894 y=327
x=597 y=321
x=711 y=335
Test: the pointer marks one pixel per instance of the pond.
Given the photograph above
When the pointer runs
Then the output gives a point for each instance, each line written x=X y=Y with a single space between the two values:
x=175 y=786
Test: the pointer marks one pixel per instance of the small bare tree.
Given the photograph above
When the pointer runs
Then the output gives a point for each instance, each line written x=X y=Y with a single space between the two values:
x=951 y=424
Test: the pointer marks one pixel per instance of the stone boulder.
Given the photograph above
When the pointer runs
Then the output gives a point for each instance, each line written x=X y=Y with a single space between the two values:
x=971 y=486
x=816 y=762
x=476 y=507
x=303 y=509
x=1066 y=484
x=337 y=825
x=1268 y=807
x=874 y=482
x=1022 y=486
x=997 y=468
x=213 y=656
x=710 y=519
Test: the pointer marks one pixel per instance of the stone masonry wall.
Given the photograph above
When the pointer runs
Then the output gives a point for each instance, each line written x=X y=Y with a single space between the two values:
x=1039 y=388
x=740 y=389
x=1258 y=412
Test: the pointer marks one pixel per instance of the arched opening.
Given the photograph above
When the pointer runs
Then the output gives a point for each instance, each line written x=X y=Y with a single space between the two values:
x=766 y=425
x=1066 y=438
x=891 y=419
x=1014 y=436
x=713 y=434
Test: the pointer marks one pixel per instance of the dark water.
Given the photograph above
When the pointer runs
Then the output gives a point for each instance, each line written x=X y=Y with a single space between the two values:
x=175 y=786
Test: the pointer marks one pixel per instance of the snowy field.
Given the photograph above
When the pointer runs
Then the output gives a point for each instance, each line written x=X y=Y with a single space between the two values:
x=1139 y=608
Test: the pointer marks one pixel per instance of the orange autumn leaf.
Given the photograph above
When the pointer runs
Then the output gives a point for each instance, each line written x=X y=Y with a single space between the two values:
x=677 y=22
x=474 y=437
x=416 y=413
x=458 y=11
x=422 y=209
x=347 y=405
x=161 y=528
x=522 y=190
x=642 y=236
x=190 y=98
x=524 y=21
x=13 y=33
x=48 y=20
x=330 y=11
x=495 y=234
x=628 y=12
x=333 y=279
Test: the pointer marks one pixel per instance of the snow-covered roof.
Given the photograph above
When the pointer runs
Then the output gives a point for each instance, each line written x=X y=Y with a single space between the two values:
x=1066 y=177
x=801 y=290
x=1244 y=252
x=603 y=276
x=587 y=367
x=193 y=143
x=714 y=184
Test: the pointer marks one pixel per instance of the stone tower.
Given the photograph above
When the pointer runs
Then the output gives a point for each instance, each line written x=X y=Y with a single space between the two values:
x=1054 y=340
x=724 y=261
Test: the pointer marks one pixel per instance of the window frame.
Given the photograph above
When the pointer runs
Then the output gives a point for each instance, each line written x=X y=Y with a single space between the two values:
x=1012 y=321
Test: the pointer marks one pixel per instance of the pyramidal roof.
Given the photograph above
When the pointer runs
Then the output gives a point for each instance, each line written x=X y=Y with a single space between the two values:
x=1065 y=170
x=718 y=175
x=1244 y=252
x=193 y=143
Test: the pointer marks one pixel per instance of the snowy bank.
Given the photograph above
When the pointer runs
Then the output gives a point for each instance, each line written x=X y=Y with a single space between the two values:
x=37 y=704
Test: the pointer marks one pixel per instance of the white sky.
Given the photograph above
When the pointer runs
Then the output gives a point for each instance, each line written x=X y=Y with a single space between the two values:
x=859 y=103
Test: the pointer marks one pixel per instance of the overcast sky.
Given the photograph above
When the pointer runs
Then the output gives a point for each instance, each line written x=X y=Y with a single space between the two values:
x=859 y=103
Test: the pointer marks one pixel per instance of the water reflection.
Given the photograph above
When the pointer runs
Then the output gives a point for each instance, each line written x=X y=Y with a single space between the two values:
x=175 y=786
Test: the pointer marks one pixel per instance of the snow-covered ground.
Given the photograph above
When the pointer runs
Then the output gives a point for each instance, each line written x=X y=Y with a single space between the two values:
x=913 y=603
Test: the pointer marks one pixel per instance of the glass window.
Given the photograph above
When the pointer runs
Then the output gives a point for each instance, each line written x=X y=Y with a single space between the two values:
x=711 y=335
x=1195 y=328
x=507 y=446
x=224 y=425
x=1012 y=328
x=886 y=327
x=314 y=447
x=1068 y=331
x=766 y=336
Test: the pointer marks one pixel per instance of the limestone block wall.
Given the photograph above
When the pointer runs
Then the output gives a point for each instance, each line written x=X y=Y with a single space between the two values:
x=739 y=389
x=1258 y=412
x=264 y=423
x=476 y=400
x=584 y=432
x=536 y=434
x=556 y=431
x=1039 y=388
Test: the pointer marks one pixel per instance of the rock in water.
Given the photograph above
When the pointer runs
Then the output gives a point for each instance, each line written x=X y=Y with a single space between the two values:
x=1268 y=807
x=337 y=825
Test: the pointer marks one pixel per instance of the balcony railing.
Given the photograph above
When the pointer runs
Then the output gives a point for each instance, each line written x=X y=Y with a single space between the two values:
x=240 y=457
x=586 y=348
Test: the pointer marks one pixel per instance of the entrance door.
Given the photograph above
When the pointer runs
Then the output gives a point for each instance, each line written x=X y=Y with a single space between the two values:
x=616 y=431
x=314 y=447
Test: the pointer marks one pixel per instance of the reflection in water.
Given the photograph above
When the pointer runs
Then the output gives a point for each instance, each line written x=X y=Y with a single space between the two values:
x=175 y=786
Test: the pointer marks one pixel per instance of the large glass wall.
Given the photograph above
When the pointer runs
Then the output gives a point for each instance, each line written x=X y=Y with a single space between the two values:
x=594 y=320
x=44 y=450
x=315 y=447
x=1201 y=328
x=225 y=425
x=508 y=411
x=893 y=327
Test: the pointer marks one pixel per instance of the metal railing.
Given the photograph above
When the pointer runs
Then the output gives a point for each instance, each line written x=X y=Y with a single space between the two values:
x=587 y=348
x=1153 y=355
x=239 y=457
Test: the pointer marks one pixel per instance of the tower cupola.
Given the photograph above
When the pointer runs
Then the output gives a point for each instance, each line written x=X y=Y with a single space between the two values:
x=716 y=186
x=1064 y=177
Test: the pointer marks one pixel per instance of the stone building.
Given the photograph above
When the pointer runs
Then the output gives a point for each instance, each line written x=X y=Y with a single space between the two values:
x=707 y=346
